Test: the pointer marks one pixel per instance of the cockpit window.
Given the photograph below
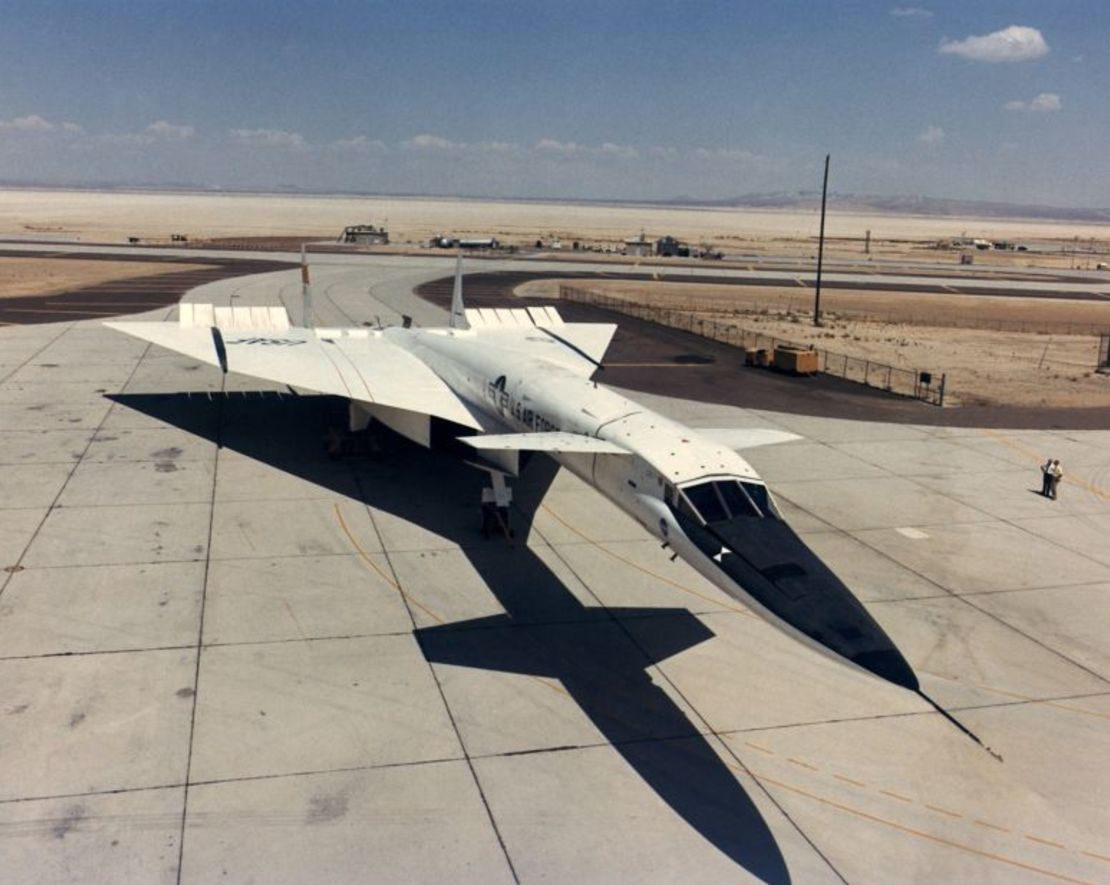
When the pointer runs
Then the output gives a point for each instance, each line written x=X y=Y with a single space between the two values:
x=720 y=500
x=738 y=503
x=762 y=498
x=706 y=502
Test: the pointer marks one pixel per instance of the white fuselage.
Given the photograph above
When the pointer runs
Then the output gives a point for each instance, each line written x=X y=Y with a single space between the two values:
x=526 y=394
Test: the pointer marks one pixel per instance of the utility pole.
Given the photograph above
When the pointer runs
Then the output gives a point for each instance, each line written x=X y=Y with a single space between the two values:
x=821 y=247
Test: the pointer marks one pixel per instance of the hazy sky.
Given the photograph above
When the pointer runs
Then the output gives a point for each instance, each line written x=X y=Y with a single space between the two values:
x=1006 y=101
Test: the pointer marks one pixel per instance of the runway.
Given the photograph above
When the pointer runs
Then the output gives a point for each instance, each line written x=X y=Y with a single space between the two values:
x=229 y=657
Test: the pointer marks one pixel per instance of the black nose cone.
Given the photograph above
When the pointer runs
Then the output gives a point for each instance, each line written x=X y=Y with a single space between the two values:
x=773 y=565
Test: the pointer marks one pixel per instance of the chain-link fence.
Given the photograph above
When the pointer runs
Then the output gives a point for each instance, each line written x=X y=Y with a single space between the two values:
x=926 y=386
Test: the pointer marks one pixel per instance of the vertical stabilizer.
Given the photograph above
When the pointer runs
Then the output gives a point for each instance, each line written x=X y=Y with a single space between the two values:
x=306 y=291
x=458 y=311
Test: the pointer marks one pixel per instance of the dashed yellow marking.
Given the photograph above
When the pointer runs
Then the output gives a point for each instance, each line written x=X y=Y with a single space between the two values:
x=1045 y=842
x=990 y=826
x=940 y=810
x=553 y=686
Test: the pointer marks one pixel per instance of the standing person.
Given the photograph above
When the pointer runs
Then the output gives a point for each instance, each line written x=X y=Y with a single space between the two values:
x=1057 y=475
x=1046 y=478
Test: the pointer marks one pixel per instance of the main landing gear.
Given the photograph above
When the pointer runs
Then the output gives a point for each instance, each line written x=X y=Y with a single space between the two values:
x=496 y=499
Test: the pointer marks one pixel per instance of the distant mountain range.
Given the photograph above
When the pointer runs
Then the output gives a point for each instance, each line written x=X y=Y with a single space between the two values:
x=864 y=203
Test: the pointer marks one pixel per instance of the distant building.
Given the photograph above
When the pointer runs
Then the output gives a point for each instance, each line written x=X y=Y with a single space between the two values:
x=669 y=247
x=639 y=247
x=365 y=235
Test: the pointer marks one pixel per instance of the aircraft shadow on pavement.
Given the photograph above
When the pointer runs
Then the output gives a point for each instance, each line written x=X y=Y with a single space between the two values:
x=600 y=655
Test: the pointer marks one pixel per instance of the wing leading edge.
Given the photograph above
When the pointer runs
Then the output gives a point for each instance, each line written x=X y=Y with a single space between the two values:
x=354 y=363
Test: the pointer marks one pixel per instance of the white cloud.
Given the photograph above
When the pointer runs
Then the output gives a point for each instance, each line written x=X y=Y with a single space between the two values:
x=1045 y=103
x=621 y=151
x=552 y=146
x=1015 y=43
x=358 y=143
x=268 y=138
x=910 y=12
x=734 y=155
x=432 y=142
x=37 y=123
x=931 y=135
x=30 y=123
x=162 y=129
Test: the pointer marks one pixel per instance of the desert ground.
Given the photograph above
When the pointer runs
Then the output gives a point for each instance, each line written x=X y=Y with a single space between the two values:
x=95 y=216
x=970 y=339
x=999 y=365
x=48 y=276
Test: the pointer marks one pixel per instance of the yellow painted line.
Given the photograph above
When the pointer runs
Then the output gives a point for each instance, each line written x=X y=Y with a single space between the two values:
x=940 y=810
x=757 y=747
x=1045 y=842
x=801 y=764
x=1096 y=856
x=849 y=780
x=546 y=683
x=1000 y=858
x=989 y=826
x=385 y=577
x=1069 y=478
x=646 y=571
x=896 y=796
x=1032 y=700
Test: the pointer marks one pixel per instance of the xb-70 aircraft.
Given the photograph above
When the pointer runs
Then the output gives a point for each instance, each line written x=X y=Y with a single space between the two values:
x=509 y=381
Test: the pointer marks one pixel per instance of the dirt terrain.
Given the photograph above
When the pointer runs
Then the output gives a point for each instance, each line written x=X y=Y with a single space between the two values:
x=979 y=342
x=113 y=216
x=918 y=332
x=48 y=276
